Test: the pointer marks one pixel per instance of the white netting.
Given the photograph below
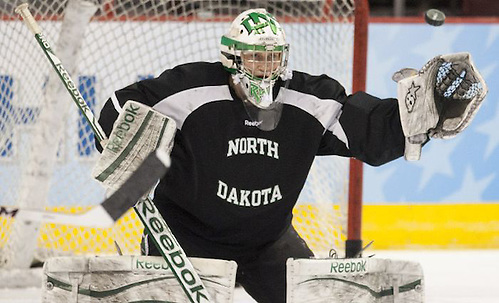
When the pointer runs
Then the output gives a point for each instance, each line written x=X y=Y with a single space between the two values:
x=124 y=41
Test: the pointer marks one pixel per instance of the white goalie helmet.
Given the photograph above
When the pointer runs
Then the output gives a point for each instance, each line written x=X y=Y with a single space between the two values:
x=256 y=53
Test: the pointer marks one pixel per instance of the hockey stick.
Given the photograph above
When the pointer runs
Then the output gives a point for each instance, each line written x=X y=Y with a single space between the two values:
x=110 y=210
x=153 y=222
x=61 y=71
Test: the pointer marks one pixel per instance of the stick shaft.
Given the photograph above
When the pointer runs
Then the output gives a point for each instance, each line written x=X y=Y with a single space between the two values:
x=63 y=74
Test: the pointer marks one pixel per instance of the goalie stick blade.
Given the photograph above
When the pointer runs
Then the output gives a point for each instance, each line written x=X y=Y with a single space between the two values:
x=108 y=212
x=95 y=217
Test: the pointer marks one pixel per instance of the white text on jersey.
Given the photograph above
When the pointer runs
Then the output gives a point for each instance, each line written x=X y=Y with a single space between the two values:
x=252 y=123
x=248 y=198
x=258 y=146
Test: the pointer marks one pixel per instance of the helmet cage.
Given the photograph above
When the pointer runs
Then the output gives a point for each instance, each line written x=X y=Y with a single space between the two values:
x=233 y=52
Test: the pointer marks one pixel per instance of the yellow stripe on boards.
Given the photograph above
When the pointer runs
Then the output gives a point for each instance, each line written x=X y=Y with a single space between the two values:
x=455 y=226
x=439 y=226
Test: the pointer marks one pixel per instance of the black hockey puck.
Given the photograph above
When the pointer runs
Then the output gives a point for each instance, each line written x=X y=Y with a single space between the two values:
x=434 y=17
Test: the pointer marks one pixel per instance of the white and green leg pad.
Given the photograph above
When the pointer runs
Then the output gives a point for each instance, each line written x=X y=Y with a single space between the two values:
x=138 y=131
x=359 y=280
x=130 y=279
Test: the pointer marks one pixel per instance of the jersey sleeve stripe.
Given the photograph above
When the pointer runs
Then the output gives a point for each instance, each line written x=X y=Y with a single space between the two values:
x=180 y=105
x=326 y=111
x=116 y=103
x=339 y=132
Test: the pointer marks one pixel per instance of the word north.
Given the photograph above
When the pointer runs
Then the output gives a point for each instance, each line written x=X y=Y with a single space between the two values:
x=258 y=146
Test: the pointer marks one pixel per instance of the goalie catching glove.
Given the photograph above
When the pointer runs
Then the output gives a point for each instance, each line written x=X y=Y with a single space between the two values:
x=137 y=132
x=439 y=101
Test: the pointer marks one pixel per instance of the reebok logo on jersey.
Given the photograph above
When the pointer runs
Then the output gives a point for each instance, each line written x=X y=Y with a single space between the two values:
x=256 y=146
x=252 y=123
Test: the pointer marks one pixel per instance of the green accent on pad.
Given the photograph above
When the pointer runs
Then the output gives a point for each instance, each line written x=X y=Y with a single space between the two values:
x=163 y=128
x=376 y=294
x=111 y=168
x=106 y=293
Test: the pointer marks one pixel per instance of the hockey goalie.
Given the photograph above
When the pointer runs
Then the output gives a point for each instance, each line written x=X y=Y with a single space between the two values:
x=243 y=135
x=248 y=129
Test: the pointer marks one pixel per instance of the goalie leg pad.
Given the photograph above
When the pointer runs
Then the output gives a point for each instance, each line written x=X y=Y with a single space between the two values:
x=109 y=279
x=359 y=280
x=138 y=131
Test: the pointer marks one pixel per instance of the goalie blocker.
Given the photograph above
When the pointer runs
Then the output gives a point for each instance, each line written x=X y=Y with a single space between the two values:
x=439 y=101
x=138 y=130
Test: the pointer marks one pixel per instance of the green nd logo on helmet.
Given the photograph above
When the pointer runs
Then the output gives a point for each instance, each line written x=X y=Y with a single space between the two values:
x=256 y=52
x=255 y=30
x=256 y=21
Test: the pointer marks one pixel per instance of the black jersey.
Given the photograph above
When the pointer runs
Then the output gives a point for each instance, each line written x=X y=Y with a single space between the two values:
x=234 y=185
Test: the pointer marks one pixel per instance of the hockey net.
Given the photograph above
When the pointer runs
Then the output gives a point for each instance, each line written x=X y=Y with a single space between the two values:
x=47 y=149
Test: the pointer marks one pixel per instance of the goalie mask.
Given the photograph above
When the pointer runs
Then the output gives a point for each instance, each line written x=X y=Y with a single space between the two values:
x=256 y=53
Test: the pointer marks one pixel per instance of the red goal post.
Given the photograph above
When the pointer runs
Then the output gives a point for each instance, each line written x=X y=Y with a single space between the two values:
x=122 y=41
x=353 y=245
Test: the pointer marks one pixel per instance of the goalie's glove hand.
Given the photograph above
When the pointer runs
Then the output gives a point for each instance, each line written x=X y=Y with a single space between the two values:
x=455 y=88
x=439 y=101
